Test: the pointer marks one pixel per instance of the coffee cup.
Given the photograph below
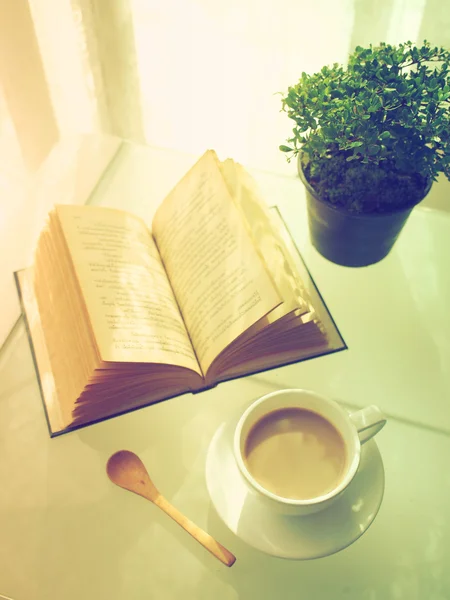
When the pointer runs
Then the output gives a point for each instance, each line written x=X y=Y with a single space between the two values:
x=299 y=451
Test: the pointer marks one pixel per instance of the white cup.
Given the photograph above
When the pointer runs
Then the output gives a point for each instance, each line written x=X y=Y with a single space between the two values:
x=355 y=429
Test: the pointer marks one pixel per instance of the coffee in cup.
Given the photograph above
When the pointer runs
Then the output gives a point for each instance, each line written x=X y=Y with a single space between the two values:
x=295 y=453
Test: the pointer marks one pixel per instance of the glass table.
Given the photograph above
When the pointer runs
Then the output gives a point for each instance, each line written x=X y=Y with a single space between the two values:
x=67 y=532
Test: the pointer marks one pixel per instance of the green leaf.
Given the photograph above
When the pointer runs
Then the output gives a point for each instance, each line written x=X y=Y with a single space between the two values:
x=373 y=150
x=286 y=149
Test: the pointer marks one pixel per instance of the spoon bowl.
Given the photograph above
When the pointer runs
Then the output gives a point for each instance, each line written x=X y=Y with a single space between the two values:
x=126 y=470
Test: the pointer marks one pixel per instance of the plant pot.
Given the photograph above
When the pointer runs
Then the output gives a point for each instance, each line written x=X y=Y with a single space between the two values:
x=352 y=240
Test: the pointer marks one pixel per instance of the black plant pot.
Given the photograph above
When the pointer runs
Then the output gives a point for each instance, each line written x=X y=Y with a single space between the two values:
x=350 y=239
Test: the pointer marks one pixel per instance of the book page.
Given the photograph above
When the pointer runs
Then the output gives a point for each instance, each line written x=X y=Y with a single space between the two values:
x=266 y=238
x=129 y=300
x=218 y=277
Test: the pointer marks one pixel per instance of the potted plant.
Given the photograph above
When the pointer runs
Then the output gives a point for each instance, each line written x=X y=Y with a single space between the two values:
x=370 y=139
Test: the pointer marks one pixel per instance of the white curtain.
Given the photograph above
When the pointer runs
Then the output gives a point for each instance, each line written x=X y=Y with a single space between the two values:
x=183 y=74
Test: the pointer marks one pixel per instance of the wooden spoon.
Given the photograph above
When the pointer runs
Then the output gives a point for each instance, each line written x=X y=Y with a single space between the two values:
x=126 y=470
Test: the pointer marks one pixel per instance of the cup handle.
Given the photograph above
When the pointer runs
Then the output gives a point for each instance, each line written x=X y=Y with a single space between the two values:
x=368 y=422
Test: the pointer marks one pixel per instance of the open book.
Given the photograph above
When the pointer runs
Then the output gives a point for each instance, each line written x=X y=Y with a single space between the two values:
x=121 y=316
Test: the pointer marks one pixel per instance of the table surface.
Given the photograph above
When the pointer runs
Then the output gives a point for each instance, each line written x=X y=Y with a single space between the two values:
x=67 y=532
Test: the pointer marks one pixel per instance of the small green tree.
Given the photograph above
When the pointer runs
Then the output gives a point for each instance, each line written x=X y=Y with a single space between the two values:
x=374 y=134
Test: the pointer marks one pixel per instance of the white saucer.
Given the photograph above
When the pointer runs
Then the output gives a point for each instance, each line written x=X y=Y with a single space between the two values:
x=301 y=538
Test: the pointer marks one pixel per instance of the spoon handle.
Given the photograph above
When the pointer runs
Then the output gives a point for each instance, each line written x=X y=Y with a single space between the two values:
x=197 y=533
